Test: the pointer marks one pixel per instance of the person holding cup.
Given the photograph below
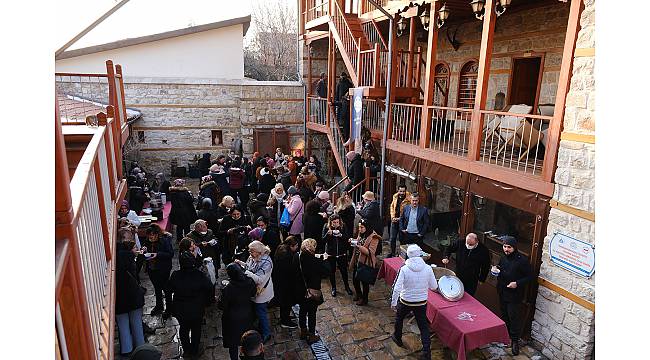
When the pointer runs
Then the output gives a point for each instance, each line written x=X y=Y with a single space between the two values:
x=336 y=244
x=513 y=273
x=365 y=247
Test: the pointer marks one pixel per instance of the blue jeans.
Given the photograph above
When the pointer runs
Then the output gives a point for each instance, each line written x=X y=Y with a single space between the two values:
x=130 y=328
x=262 y=316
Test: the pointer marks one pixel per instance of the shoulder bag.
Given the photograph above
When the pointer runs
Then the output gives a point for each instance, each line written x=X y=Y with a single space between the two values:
x=313 y=295
x=285 y=220
x=367 y=273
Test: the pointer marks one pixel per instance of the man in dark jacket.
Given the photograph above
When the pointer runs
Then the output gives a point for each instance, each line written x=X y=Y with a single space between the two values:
x=355 y=169
x=191 y=290
x=321 y=86
x=257 y=206
x=129 y=298
x=414 y=221
x=267 y=181
x=182 y=213
x=514 y=272
x=343 y=104
x=204 y=164
x=370 y=212
x=472 y=262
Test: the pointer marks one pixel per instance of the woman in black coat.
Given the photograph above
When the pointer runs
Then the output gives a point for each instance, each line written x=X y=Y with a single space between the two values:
x=191 y=290
x=232 y=226
x=345 y=209
x=209 y=190
x=336 y=242
x=285 y=276
x=237 y=317
x=182 y=213
x=312 y=270
x=129 y=298
x=267 y=181
x=313 y=223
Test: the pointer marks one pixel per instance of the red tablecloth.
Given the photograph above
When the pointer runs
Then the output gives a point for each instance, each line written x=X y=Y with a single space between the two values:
x=462 y=325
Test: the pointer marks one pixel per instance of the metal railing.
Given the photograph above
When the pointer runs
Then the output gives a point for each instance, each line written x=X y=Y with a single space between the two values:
x=514 y=141
x=315 y=9
x=351 y=44
x=450 y=130
x=372 y=115
x=317 y=110
x=373 y=34
x=406 y=123
x=80 y=95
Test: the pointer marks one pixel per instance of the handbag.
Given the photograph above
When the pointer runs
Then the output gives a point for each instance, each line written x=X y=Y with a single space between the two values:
x=285 y=220
x=313 y=295
x=367 y=274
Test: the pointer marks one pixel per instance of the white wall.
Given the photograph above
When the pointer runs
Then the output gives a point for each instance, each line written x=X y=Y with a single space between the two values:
x=215 y=54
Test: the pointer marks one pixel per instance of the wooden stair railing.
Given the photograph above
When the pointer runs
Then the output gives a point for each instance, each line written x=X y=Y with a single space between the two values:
x=336 y=141
x=350 y=39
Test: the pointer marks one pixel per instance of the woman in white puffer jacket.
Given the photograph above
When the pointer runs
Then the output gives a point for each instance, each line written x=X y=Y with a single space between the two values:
x=410 y=293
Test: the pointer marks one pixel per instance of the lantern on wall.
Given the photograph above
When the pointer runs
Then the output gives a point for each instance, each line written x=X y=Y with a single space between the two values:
x=478 y=7
x=443 y=14
x=401 y=26
x=425 y=18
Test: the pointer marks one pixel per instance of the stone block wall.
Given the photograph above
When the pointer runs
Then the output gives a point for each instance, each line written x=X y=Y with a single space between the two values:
x=563 y=329
x=178 y=115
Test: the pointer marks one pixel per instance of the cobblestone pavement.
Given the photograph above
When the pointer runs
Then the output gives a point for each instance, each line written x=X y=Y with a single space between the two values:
x=348 y=331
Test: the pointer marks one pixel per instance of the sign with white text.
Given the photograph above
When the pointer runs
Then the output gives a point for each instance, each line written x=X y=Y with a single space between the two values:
x=357 y=112
x=574 y=255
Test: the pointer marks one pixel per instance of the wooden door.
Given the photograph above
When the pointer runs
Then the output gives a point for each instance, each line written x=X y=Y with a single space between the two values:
x=265 y=141
x=525 y=80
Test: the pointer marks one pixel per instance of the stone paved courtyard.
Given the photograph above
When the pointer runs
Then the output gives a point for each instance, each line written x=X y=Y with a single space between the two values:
x=348 y=331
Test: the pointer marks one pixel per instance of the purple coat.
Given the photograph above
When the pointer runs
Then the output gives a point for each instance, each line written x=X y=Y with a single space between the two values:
x=296 y=209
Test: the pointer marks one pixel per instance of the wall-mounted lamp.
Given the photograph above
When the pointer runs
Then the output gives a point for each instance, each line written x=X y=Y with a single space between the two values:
x=425 y=18
x=401 y=26
x=443 y=14
x=478 y=7
x=479 y=202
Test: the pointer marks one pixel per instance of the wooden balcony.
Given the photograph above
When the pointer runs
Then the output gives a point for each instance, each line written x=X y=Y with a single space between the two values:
x=89 y=189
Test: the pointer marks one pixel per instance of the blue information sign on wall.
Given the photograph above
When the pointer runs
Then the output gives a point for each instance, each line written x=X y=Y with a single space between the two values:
x=572 y=254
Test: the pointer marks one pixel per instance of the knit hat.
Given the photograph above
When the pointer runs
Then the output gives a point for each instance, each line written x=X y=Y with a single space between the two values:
x=509 y=240
x=350 y=155
x=179 y=182
x=369 y=195
x=324 y=195
x=206 y=178
x=413 y=251
x=292 y=190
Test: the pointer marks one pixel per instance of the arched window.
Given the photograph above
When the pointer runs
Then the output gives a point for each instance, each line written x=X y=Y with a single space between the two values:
x=467 y=85
x=441 y=85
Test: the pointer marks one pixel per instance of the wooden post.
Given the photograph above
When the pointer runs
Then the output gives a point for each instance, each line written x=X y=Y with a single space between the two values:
x=393 y=85
x=301 y=15
x=367 y=178
x=117 y=129
x=120 y=89
x=331 y=77
x=309 y=74
x=418 y=71
x=104 y=121
x=409 y=62
x=487 y=37
x=429 y=78
x=377 y=70
x=555 y=128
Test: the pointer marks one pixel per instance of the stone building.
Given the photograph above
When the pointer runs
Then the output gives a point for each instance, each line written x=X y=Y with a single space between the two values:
x=190 y=88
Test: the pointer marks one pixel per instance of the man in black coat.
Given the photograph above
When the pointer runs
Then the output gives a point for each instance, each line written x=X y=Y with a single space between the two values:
x=514 y=272
x=343 y=104
x=191 y=290
x=472 y=262
x=355 y=169
x=370 y=212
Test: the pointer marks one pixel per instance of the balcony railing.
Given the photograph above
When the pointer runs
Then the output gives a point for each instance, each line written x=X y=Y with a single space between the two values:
x=373 y=34
x=80 y=95
x=315 y=9
x=317 y=110
x=351 y=44
x=372 y=115
x=515 y=141
x=366 y=6
x=450 y=130
x=406 y=123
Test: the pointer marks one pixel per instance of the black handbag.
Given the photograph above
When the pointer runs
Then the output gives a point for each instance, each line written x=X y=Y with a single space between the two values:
x=367 y=274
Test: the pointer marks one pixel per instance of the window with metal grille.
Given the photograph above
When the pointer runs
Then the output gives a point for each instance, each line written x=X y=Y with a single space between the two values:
x=441 y=83
x=467 y=85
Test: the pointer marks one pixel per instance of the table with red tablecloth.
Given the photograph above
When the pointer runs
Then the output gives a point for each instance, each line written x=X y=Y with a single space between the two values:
x=461 y=325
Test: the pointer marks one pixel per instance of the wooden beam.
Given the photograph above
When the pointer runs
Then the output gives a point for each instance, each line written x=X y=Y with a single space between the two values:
x=582 y=138
x=521 y=180
x=573 y=211
x=409 y=59
x=183 y=106
x=564 y=82
x=567 y=294
x=429 y=75
x=309 y=77
x=482 y=80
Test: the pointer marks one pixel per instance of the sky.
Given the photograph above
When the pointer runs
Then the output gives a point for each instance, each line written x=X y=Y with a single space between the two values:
x=142 y=17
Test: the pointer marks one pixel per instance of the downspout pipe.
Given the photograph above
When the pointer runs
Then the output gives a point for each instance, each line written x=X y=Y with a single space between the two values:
x=304 y=86
x=388 y=93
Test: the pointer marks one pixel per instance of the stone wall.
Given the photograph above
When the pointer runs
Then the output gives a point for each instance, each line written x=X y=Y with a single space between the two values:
x=563 y=329
x=540 y=30
x=178 y=116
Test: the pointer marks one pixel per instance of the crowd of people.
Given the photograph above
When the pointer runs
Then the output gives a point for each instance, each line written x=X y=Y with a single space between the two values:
x=269 y=222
